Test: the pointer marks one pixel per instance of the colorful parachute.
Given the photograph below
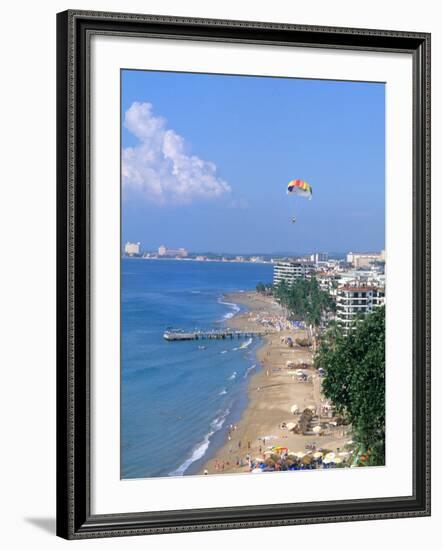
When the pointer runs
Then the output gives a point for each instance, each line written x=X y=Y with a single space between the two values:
x=300 y=188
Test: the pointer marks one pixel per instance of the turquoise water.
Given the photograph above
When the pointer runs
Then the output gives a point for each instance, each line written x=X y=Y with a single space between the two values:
x=176 y=399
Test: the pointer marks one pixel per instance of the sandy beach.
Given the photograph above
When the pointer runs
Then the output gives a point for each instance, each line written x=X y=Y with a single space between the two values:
x=273 y=391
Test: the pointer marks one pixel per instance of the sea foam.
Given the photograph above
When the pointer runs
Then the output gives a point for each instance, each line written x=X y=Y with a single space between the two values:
x=200 y=449
x=234 y=307
x=246 y=374
x=246 y=344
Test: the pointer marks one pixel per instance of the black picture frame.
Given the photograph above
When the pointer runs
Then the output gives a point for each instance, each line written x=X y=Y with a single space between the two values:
x=74 y=518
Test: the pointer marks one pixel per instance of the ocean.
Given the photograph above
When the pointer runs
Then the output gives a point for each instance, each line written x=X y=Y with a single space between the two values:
x=178 y=399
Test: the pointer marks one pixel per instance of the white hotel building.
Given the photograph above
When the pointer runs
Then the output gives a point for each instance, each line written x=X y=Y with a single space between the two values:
x=132 y=249
x=352 y=301
x=165 y=252
x=289 y=271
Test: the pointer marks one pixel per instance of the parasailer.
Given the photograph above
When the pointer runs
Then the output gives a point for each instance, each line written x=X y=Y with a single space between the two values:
x=299 y=188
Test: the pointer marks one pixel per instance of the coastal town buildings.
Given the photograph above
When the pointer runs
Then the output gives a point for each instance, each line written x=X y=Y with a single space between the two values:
x=132 y=249
x=359 y=260
x=356 y=288
x=318 y=257
x=371 y=277
x=327 y=280
x=164 y=252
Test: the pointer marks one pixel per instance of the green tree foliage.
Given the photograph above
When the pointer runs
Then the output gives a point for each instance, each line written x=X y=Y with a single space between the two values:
x=354 y=380
x=304 y=299
x=261 y=287
x=264 y=288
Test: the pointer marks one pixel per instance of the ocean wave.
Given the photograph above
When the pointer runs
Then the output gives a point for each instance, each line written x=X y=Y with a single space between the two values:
x=229 y=315
x=223 y=392
x=246 y=344
x=233 y=376
x=218 y=422
x=224 y=351
x=200 y=449
x=246 y=374
x=234 y=307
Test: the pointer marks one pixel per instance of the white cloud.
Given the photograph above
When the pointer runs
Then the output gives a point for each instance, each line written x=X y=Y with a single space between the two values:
x=159 y=166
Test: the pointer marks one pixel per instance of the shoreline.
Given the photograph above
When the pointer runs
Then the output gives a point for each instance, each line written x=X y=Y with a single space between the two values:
x=271 y=393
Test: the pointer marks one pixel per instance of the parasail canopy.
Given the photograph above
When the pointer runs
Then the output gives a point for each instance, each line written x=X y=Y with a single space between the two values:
x=300 y=188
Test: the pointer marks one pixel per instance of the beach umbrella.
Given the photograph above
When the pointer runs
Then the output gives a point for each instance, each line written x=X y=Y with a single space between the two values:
x=290 y=425
x=300 y=454
x=294 y=409
x=317 y=455
x=327 y=460
x=338 y=460
x=279 y=449
x=330 y=456
x=317 y=429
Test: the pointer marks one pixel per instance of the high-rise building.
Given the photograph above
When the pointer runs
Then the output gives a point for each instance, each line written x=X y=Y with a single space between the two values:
x=289 y=271
x=319 y=257
x=132 y=249
x=353 y=301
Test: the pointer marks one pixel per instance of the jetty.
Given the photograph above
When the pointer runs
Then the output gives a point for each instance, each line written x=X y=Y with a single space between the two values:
x=180 y=335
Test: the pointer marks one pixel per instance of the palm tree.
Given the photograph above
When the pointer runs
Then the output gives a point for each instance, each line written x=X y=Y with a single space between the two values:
x=304 y=299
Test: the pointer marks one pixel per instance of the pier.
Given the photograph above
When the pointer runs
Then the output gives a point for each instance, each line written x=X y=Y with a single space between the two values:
x=178 y=335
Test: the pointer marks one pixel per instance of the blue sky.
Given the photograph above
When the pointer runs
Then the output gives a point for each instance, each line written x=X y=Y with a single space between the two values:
x=207 y=159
